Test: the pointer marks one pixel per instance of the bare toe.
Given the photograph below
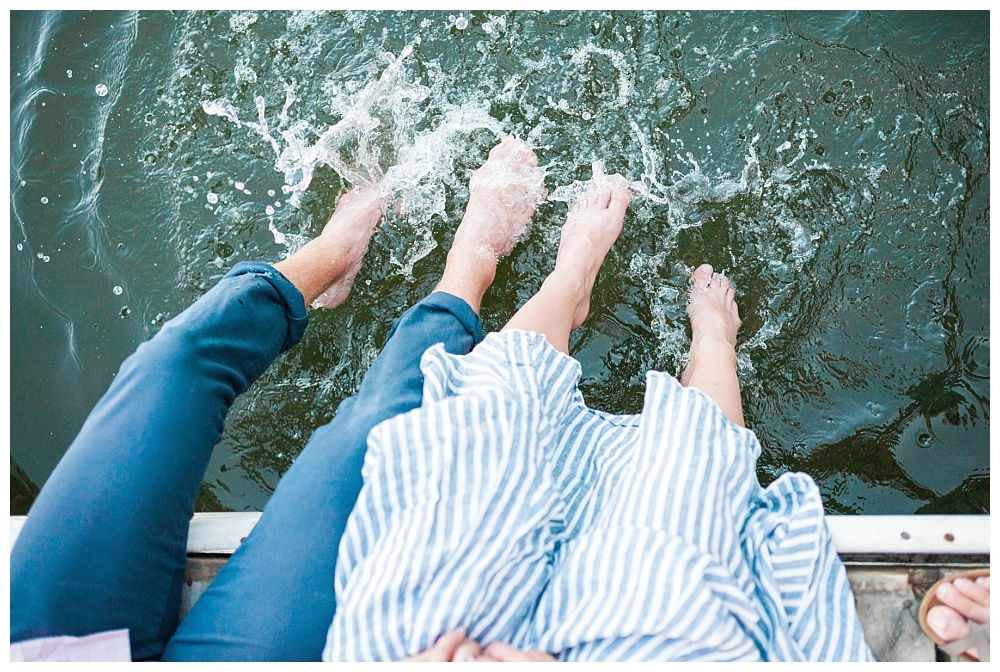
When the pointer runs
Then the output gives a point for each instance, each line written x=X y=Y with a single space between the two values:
x=967 y=598
x=619 y=201
x=712 y=306
x=502 y=148
x=702 y=276
x=947 y=623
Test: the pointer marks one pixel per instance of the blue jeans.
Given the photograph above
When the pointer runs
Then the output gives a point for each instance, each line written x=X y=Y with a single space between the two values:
x=104 y=544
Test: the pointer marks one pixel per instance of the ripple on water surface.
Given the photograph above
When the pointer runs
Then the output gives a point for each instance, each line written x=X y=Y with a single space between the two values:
x=834 y=165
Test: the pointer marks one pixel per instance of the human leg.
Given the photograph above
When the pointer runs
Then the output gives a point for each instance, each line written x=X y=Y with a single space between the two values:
x=715 y=321
x=274 y=599
x=563 y=301
x=104 y=546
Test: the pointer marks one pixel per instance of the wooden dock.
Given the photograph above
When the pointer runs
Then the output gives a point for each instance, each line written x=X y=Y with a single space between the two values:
x=891 y=563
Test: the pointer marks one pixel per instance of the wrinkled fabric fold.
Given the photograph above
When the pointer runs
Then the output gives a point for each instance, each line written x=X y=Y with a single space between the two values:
x=506 y=506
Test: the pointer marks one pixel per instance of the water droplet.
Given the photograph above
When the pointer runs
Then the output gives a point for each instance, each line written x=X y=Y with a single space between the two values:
x=212 y=197
x=270 y=192
x=101 y=90
x=239 y=185
x=269 y=210
x=195 y=178
x=586 y=116
x=117 y=290
x=925 y=440
x=69 y=73
x=125 y=312
x=20 y=247
x=461 y=23
x=44 y=200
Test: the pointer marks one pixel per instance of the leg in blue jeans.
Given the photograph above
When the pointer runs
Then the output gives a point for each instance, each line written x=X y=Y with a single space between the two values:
x=104 y=544
x=274 y=599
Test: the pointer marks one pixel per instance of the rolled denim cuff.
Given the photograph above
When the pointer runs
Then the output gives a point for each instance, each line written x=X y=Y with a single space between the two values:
x=291 y=297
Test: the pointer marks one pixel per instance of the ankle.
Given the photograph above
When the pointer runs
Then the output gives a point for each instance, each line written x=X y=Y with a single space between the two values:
x=467 y=278
x=713 y=340
x=712 y=349
x=570 y=285
x=570 y=290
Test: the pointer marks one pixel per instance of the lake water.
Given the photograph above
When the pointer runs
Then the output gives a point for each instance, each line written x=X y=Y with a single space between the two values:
x=834 y=165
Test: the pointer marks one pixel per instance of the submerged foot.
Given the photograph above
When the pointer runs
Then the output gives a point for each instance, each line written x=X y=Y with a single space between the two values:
x=503 y=195
x=592 y=227
x=712 y=307
x=348 y=233
x=715 y=322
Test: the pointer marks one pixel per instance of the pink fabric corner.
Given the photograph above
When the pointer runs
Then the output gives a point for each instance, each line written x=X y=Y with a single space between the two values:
x=111 y=646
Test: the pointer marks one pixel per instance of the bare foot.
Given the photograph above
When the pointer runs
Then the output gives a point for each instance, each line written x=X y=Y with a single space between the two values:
x=503 y=196
x=348 y=232
x=712 y=307
x=715 y=321
x=592 y=227
x=963 y=600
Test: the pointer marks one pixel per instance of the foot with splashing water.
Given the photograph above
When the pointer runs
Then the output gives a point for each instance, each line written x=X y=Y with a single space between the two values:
x=503 y=195
x=563 y=301
x=325 y=268
x=715 y=321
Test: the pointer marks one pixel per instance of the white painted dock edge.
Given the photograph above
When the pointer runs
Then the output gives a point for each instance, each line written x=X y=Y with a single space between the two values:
x=883 y=535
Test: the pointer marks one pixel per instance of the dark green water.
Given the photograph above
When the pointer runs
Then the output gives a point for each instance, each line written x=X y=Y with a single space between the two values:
x=835 y=165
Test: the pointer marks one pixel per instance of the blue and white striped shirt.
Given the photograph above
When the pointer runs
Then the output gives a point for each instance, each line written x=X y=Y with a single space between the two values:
x=506 y=506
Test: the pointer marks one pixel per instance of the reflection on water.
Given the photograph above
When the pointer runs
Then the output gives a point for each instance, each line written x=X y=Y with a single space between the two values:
x=836 y=166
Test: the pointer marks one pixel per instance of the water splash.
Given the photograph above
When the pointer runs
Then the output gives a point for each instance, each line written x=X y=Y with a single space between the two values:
x=411 y=137
x=354 y=147
x=599 y=180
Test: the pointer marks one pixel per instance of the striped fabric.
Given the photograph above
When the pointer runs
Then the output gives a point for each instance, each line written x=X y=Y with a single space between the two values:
x=506 y=506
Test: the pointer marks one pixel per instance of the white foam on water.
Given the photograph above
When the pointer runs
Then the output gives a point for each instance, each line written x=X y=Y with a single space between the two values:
x=381 y=138
x=626 y=76
x=411 y=137
x=279 y=237
x=599 y=180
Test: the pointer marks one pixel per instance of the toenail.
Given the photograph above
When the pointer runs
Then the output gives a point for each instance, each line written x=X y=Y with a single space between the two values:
x=944 y=589
x=982 y=580
x=962 y=582
x=937 y=621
